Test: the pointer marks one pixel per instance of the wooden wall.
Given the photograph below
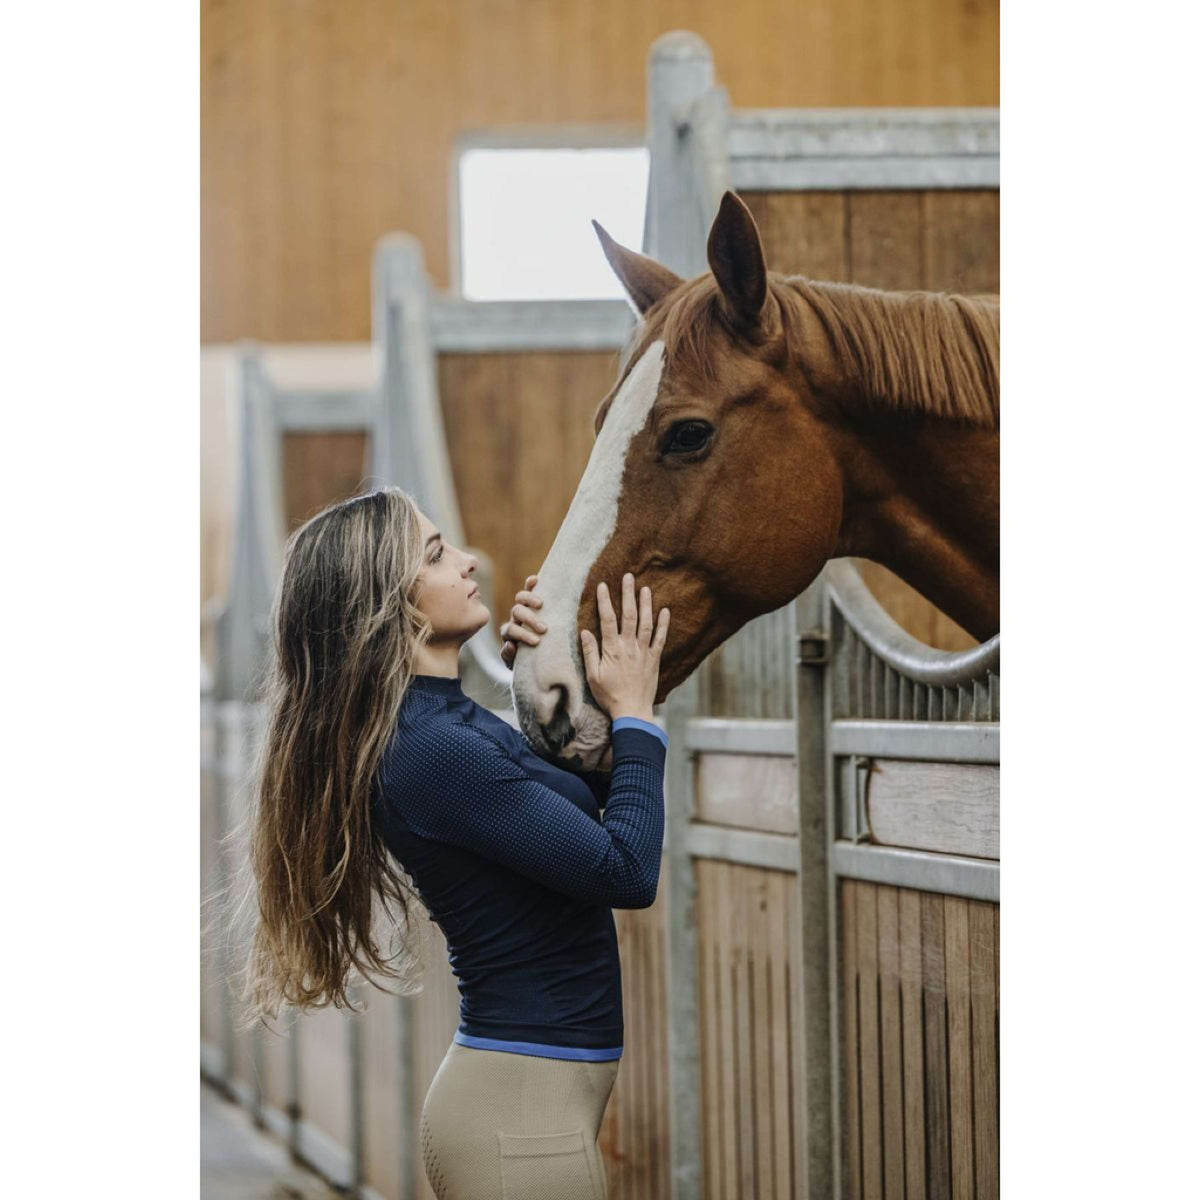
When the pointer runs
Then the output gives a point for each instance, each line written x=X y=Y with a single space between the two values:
x=520 y=430
x=326 y=124
x=921 y=1044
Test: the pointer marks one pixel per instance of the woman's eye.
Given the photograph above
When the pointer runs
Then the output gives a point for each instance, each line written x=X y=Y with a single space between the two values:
x=687 y=437
x=439 y=553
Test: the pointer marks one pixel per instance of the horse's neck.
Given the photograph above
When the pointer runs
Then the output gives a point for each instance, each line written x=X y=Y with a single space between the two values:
x=922 y=497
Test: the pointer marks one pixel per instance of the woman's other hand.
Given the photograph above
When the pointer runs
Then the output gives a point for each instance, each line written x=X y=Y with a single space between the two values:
x=523 y=624
x=622 y=671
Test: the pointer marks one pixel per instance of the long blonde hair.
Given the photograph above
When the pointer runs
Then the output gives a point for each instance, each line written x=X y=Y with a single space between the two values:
x=325 y=900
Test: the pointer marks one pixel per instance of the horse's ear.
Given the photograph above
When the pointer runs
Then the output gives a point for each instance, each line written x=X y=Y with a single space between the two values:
x=645 y=280
x=736 y=257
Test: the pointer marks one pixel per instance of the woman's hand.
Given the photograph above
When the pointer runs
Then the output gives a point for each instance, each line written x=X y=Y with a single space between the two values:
x=623 y=672
x=523 y=624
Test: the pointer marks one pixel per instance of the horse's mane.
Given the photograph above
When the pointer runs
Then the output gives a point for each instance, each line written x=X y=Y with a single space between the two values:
x=935 y=353
x=929 y=352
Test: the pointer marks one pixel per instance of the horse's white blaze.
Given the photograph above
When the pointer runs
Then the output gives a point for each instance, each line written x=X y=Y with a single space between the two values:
x=585 y=531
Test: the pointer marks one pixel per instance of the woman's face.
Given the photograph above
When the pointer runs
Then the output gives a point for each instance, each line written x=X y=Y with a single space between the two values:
x=446 y=590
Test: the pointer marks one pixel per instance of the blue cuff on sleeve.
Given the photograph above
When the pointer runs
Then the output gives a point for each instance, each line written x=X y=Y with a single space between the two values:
x=638 y=723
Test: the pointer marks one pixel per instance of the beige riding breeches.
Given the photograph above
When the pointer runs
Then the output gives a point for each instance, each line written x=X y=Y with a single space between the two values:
x=502 y=1126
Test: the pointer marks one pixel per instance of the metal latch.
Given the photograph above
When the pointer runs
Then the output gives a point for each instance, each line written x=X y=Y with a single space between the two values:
x=812 y=648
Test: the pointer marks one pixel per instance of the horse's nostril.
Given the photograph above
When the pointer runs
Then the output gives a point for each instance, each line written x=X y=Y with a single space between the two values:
x=559 y=731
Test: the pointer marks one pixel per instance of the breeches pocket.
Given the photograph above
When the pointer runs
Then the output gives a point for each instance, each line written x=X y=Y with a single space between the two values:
x=548 y=1166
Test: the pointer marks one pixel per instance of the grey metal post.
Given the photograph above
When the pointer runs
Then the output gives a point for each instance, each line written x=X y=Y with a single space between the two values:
x=258 y=535
x=816 y=1121
x=410 y=1165
x=357 y=1098
x=679 y=74
x=683 y=1022
x=409 y=446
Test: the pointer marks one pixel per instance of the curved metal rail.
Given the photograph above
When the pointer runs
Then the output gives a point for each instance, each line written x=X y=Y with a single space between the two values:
x=895 y=646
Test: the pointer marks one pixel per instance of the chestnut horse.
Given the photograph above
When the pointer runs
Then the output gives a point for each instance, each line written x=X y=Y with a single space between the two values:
x=761 y=425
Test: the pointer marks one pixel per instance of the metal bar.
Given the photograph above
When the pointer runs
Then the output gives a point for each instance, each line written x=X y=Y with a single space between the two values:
x=680 y=71
x=966 y=741
x=953 y=875
x=837 y=174
x=410 y=1161
x=721 y=735
x=324 y=411
x=748 y=847
x=814 y=1157
x=682 y=992
x=476 y=326
x=354 y=1048
x=864 y=133
x=895 y=645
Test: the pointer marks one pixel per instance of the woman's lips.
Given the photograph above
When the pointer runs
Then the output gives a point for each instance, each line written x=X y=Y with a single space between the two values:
x=473 y=592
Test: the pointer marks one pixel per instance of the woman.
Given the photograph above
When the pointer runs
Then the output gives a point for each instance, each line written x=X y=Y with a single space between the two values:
x=377 y=770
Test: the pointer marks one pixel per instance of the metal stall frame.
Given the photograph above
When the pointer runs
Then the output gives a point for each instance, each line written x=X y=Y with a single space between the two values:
x=700 y=147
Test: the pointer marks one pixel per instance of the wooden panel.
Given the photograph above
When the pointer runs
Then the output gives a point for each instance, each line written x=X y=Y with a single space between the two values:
x=937 y=1087
x=914 y=1046
x=433 y=1018
x=890 y=1041
x=746 y=1056
x=274 y=1055
x=868 y=1041
x=919 y=1073
x=325 y=1073
x=886 y=239
x=635 y=1133
x=983 y=1050
x=748 y=791
x=958 y=1005
x=382 y=1072
x=519 y=431
x=851 y=1069
x=318 y=134
x=803 y=233
x=320 y=469
x=961 y=240
x=953 y=808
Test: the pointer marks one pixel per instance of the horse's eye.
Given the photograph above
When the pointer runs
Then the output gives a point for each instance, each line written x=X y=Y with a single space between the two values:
x=687 y=437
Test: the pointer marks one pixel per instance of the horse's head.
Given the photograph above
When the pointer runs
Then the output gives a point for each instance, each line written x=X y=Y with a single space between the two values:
x=712 y=479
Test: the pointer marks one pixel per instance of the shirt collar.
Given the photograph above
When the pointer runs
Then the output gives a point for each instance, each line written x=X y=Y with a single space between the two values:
x=442 y=684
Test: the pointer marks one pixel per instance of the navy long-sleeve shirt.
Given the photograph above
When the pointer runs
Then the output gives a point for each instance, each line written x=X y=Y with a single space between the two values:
x=514 y=862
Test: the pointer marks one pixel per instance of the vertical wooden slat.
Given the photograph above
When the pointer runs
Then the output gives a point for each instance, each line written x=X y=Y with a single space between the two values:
x=759 y=958
x=890 y=1042
x=937 y=1071
x=661 y=1094
x=914 y=1045
x=710 y=999
x=743 y=1018
x=850 y=1067
x=728 y=1003
x=868 y=1041
x=636 y=1163
x=983 y=1046
x=780 y=889
x=958 y=1003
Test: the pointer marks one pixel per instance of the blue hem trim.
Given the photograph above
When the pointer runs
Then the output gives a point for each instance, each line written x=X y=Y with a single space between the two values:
x=638 y=723
x=540 y=1049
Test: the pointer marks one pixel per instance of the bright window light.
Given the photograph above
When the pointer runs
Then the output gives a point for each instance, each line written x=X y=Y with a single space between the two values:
x=526 y=220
